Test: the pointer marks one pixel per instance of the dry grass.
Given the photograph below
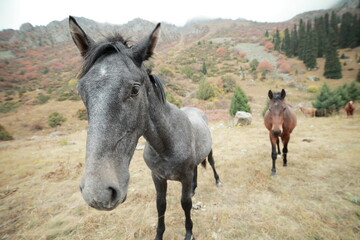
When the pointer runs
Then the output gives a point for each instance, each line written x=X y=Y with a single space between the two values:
x=310 y=199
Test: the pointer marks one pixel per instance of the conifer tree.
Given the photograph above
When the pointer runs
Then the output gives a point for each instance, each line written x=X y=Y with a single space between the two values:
x=239 y=102
x=321 y=99
x=294 y=41
x=302 y=41
x=277 y=40
x=321 y=36
x=310 y=47
x=353 y=91
x=287 y=44
x=332 y=63
x=267 y=34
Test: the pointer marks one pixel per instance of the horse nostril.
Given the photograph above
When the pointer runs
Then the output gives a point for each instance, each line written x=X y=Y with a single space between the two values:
x=114 y=194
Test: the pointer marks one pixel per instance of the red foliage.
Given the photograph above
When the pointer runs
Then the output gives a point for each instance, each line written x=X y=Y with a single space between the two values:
x=221 y=51
x=265 y=66
x=242 y=54
x=284 y=65
x=269 y=46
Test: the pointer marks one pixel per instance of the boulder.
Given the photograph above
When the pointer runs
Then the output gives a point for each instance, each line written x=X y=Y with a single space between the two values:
x=242 y=118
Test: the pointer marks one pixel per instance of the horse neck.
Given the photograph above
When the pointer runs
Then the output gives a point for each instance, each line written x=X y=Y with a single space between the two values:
x=159 y=130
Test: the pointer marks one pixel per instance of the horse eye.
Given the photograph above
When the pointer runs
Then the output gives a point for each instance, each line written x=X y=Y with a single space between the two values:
x=135 y=90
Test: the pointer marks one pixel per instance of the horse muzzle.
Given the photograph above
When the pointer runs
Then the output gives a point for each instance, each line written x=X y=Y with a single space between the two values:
x=277 y=133
x=105 y=198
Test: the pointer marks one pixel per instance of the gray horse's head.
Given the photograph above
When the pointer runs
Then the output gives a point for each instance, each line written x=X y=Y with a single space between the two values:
x=113 y=85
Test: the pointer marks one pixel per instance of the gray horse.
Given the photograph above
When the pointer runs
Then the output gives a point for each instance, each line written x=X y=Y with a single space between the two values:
x=125 y=101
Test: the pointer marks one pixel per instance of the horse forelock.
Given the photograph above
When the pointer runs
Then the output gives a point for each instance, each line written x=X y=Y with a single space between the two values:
x=112 y=44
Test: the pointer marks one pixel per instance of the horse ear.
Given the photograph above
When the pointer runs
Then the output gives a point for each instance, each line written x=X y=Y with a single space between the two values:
x=283 y=94
x=144 y=49
x=270 y=94
x=81 y=40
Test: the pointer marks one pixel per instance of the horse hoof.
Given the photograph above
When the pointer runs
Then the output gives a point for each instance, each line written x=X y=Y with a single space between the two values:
x=285 y=165
x=272 y=174
x=219 y=184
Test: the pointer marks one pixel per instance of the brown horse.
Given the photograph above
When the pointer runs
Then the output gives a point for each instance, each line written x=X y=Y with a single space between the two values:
x=309 y=111
x=349 y=108
x=280 y=120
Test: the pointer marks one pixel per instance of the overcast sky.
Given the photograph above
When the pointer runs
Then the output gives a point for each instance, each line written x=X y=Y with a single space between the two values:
x=13 y=13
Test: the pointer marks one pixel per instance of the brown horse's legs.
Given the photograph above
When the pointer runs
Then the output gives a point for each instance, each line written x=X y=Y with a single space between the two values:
x=273 y=141
x=285 y=140
x=278 y=145
x=161 y=188
x=186 y=204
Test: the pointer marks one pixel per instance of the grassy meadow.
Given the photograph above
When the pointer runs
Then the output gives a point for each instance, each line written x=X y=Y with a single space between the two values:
x=316 y=197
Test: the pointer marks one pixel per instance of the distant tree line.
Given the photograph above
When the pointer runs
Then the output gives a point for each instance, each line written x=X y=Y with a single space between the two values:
x=320 y=38
x=330 y=101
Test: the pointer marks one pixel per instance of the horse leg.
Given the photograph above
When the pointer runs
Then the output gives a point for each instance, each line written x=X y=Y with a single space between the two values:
x=186 y=204
x=273 y=141
x=161 y=188
x=212 y=164
x=194 y=183
x=278 y=145
x=285 y=140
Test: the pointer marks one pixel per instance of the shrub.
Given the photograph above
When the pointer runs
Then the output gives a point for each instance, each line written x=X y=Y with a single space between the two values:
x=228 y=83
x=5 y=135
x=239 y=102
x=358 y=76
x=265 y=66
x=205 y=90
x=82 y=114
x=254 y=64
x=313 y=89
x=55 y=119
x=8 y=106
x=41 y=98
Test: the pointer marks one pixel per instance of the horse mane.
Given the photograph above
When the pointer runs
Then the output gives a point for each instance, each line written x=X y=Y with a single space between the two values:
x=111 y=44
x=114 y=44
x=158 y=85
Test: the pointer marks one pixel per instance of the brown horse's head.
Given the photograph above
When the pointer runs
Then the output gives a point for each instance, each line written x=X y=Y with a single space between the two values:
x=277 y=106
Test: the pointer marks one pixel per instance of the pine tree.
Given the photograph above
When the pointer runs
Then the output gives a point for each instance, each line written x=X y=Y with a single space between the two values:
x=294 y=41
x=321 y=99
x=334 y=27
x=267 y=34
x=239 y=102
x=346 y=30
x=277 y=40
x=321 y=36
x=204 y=69
x=310 y=47
x=287 y=44
x=332 y=63
x=353 y=91
x=302 y=41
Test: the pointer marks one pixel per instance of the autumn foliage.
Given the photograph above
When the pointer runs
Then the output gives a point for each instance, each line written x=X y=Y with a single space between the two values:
x=265 y=66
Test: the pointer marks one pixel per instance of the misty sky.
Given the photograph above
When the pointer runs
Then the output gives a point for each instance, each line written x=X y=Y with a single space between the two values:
x=13 y=13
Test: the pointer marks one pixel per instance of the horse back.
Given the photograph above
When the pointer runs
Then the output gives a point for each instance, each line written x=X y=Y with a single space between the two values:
x=201 y=132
